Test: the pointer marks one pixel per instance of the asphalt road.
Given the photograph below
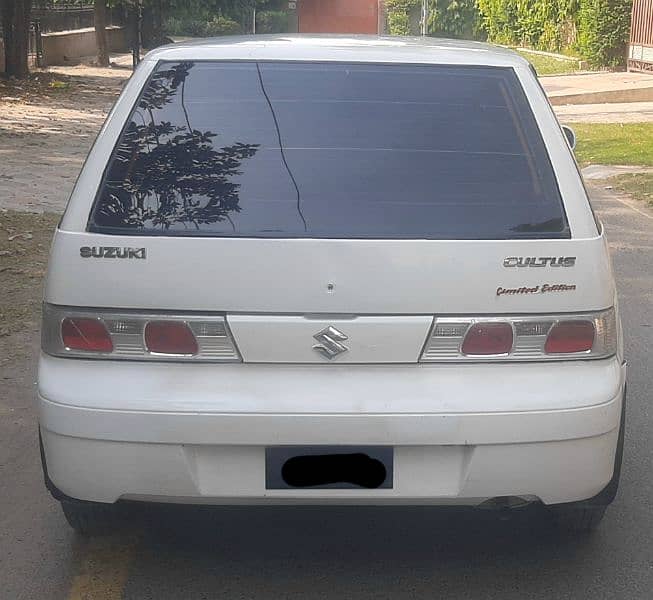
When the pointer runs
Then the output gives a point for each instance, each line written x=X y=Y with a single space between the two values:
x=341 y=553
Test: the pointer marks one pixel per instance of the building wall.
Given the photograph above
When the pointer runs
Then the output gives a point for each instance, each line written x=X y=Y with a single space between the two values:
x=338 y=16
x=61 y=47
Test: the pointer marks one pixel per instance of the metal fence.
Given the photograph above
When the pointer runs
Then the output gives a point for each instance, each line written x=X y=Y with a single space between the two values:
x=35 y=45
x=640 y=51
x=64 y=17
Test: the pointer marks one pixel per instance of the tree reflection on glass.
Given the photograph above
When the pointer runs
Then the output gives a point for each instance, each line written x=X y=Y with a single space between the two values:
x=164 y=175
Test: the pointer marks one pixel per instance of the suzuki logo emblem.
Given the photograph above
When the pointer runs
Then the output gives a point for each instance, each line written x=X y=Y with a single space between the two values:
x=329 y=342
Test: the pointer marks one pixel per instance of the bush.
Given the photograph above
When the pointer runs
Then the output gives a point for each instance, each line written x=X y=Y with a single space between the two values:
x=221 y=26
x=604 y=31
x=540 y=24
x=597 y=29
x=271 y=21
x=447 y=18
x=213 y=27
x=398 y=15
x=454 y=18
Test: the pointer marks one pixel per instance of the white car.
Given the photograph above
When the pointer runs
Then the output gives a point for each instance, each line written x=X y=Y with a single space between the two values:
x=331 y=270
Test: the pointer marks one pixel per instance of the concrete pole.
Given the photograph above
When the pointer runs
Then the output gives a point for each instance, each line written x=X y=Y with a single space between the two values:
x=425 y=17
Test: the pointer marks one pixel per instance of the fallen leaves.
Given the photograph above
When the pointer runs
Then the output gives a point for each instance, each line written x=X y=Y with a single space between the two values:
x=21 y=236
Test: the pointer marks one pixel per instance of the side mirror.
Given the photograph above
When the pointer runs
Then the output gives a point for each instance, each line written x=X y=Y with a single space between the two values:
x=570 y=135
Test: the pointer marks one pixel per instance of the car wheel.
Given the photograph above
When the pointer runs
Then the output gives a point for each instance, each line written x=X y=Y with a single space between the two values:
x=585 y=516
x=92 y=518
x=579 y=520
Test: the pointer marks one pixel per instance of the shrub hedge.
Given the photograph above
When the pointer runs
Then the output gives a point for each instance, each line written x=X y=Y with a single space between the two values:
x=540 y=24
x=596 y=29
x=215 y=26
x=271 y=21
x=398 y=15
x=604 y=28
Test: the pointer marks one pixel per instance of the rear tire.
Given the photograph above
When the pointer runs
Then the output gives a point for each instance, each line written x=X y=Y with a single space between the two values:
x=92 y=518
x=579 y=520
x=585 y=516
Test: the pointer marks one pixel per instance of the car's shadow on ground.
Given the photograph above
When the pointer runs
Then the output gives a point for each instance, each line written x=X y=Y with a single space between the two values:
x=280 y=551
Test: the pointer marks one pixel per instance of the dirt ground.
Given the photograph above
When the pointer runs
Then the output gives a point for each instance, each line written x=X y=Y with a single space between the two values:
x=47 y=125
x=24 y=246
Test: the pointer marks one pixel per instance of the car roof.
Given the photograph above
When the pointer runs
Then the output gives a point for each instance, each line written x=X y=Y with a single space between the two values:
x=342 y=48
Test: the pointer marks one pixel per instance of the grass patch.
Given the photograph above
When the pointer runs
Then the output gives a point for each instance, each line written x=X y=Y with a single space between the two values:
x=637 y=185
x=614 y=143
x=549 y=65
x=24 y=248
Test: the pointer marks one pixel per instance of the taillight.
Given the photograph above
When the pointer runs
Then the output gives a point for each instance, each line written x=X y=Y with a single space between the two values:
x=522 y=338
x=567 y=337
x=484 y=339
x=85 y=334
x=136 y=335
x=170 y=337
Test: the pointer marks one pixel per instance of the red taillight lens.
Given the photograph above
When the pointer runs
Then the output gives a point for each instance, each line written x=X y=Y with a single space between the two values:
x=89 y=335
x=170 y=337
x=483 y=339
x=570 y=336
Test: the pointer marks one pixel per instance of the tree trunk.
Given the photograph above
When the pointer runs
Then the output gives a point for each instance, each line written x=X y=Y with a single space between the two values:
x=15 y=27
x=100 y=19
x=133 y=25
x=152 y=24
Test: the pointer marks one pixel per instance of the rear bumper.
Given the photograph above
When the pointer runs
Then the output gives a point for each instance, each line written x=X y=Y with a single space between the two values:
x=148 y=432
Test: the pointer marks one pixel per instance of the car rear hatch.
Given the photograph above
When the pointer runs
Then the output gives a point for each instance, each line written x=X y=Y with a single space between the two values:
x=329 y=213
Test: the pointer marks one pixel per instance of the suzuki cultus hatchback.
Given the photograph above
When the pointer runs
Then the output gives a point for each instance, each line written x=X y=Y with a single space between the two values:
x=310 y=270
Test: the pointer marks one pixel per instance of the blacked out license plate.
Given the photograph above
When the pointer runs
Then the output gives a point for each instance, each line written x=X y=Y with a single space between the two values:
x=329 y=467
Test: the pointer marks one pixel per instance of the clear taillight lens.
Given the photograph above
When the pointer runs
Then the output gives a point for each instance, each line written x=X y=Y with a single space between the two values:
x=133 y=335
x=519 y=338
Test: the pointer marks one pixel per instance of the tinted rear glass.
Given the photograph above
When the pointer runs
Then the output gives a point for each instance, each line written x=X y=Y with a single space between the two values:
x=331 y=150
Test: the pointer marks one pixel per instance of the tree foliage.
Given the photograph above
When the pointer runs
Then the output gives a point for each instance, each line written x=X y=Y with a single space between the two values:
x=454 y=18
x=597 y=29
x=207 y=18
x=447 y=18
x=271 y=21
x=604 y=31
x=207 y=27
x=398 y=15
x=540 y=24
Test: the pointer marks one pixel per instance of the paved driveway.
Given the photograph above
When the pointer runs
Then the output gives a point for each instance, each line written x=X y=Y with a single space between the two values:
x=624 y=112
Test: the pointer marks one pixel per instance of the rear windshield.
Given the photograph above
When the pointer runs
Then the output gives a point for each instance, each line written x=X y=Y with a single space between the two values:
x=246 y=149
